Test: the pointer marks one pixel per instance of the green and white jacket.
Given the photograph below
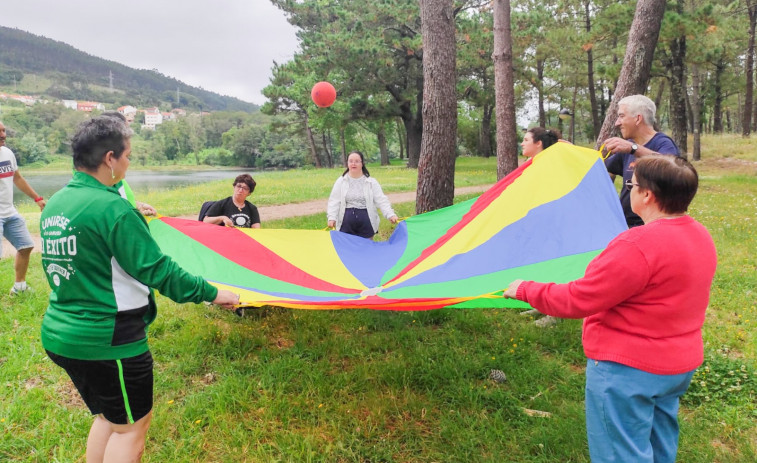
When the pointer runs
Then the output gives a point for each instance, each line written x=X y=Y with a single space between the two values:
x=101 y=263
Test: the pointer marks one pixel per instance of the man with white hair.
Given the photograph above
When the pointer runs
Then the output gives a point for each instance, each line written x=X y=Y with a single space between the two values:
x=12 y=225
x=636 y=119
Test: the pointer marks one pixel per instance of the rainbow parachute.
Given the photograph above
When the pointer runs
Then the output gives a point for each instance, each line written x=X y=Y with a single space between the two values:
x=545 y=222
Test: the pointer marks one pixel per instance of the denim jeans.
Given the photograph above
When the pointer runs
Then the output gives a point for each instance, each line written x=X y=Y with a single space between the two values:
x=632 y=415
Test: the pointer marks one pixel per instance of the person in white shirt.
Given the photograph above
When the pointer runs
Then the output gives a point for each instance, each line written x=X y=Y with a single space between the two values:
x=12 y=225
x=355 y=200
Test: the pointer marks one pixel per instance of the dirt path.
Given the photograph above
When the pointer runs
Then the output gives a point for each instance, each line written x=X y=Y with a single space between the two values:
x=284 y=211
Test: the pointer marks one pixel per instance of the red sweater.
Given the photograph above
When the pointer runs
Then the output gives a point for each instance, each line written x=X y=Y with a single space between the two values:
x=643 y=298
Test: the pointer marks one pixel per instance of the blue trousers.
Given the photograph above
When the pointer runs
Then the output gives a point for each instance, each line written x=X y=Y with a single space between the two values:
x=632 y=415
x=357 y=222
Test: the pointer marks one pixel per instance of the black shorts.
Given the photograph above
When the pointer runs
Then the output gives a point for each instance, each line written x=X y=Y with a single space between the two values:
x=120 y=390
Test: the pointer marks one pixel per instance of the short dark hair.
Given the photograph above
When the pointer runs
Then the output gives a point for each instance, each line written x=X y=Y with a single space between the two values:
x=362 y=160
x=247 y=180
x=547 y=137
x=115 y=114
x=672 y=179
x=94 y=138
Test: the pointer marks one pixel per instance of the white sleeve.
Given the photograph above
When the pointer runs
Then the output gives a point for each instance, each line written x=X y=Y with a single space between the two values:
x=332 y=210
x=381 y=201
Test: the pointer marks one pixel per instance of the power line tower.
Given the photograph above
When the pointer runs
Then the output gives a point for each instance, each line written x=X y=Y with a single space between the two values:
x=110 y=80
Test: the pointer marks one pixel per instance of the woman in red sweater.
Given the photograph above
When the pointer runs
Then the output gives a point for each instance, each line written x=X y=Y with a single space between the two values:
x=643 y=302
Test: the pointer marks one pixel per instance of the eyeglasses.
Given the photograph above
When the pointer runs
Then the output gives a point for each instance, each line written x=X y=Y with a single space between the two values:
x=630 y=185
x=242 y=186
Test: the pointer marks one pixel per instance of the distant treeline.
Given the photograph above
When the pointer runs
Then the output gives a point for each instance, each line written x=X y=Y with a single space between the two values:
x=223 y=138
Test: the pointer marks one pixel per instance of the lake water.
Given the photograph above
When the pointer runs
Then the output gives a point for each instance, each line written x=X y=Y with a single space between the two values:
x=141 y=181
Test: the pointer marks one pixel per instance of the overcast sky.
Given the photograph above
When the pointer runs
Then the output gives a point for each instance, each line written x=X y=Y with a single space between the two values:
x=225 y=46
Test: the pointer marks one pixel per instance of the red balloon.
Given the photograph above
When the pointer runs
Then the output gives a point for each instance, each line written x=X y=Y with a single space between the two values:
x=323 y=94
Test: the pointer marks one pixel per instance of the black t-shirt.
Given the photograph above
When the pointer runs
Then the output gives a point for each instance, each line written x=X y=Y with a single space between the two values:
x=244 y=218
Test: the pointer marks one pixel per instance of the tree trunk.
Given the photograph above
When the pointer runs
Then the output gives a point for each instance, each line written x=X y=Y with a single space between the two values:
x=689 y=112
x=311 y=144
x=485 y=141
x=344 y=147
x=678 y=89
x=717 y=89
x=595 y=123
x=660 y=91
x=539 y=90
x=637 y=64
x=504 y=94
x=695 y=112
x=573 y=112
x=412 y=119
x=414 y=133
x=436 y=167
x=327 y=151
x=749 y=70
x=381 y=135
x=400 y=137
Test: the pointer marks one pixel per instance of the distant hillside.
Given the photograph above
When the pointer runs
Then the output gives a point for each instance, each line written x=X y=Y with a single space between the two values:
x=67 y=73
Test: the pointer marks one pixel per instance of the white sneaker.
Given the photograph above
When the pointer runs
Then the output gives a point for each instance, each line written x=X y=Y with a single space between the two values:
x=18 y=290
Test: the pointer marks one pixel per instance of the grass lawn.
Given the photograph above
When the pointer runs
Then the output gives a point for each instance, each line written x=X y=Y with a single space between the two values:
x=355 y=385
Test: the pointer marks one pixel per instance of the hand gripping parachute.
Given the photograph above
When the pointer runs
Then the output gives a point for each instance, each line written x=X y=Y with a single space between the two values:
x=545 y=222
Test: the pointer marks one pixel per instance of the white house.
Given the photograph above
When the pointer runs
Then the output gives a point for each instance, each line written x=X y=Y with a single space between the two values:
x=153 y=117
x=128 y=111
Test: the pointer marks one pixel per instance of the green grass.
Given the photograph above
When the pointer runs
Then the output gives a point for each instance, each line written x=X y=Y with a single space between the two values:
x=344 y=386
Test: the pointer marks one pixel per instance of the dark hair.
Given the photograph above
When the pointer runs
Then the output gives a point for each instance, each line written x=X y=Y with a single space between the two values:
x=362 y=160
x=114 y=114
x=672 y=179
x=247 y=180
x=547 y=137
x=94 y=138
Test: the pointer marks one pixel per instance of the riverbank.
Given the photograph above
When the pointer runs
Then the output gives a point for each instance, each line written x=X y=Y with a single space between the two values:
x=284 y=211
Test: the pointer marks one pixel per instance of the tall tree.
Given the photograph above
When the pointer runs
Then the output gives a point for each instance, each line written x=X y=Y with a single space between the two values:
x=696 y=115
x=436 y=169
x=674 y=57
x=595 y=124
x=476 y=75
x=375 y=48
x=748 y=93
x=504 y=92
x=637 y=64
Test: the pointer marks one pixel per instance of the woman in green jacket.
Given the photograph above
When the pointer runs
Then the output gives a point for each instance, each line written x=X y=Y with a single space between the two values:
x=102 y=263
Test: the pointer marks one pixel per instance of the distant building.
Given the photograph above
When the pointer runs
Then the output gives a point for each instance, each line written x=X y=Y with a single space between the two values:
x=169 y=116
x=25 y=99
x=70 y=104
x=179 y=112
x=89 y=106
x=153 y=117
x=129 y=112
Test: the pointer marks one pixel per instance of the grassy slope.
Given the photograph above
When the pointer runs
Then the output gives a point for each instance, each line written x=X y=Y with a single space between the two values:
x=288 y=385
